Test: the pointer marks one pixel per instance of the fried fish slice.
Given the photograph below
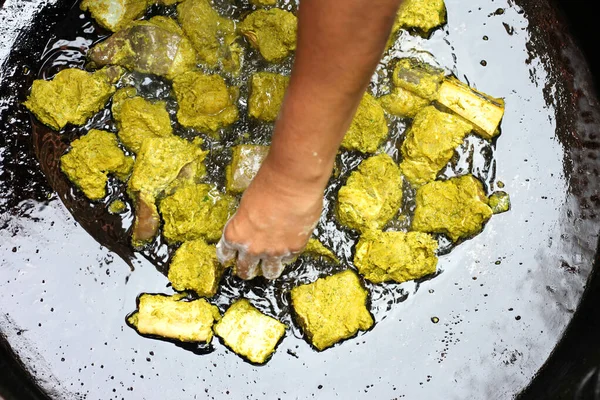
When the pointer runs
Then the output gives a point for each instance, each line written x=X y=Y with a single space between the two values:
x=138 y=119
x=213 y=36
x=457 y=208
x=395 y=256
x=403 y=103
x=418 y=77
x=430 y=143
x=205 y=101
x=420 y=16
x=272 y=32
x=314 y=248
x=195 y=267
x=172 y=317
x=114 y=14
x=484 y=112
x=157 y=46
x=161 y=164
x=195 y=211
x=372 y=195
x=91 y=158
x=72 y=96
x=368 y=129
x=248 y=332
x=331 y=309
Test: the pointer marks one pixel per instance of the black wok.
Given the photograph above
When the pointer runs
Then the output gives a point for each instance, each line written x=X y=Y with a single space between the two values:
x=509 y=302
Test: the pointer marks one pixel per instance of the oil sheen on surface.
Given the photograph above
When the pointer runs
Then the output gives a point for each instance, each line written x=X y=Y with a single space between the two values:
x=272 y=297
x=480 y=329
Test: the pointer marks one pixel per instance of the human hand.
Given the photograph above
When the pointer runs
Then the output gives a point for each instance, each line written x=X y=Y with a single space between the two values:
x=275 y=219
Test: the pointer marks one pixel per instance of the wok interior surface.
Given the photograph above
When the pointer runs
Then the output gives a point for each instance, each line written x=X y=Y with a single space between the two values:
x=503 y=299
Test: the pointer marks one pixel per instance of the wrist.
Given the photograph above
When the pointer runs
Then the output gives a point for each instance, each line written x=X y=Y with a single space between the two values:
x=307 y=173
x=303 y=150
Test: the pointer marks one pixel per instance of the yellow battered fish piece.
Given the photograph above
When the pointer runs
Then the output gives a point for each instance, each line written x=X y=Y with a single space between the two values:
x=245 y=163
x=119 y=97
x=314 y=248
x=403 y=103
x=458 y=208
x=91 y=158
x=372 y=195
x=195 y=211
x=430 y=143
x=212 y=35
x=484 y=112
x=171 y=317
x=138 y=119
x=331 y=309
x=422 y=16
x=272 y=32
x=72 y=96
x=205 y=101
x=195 y=267
x=266 y=95
x=422 y=79
x=248 y=332
x=114 y=14
x=368 y=129
x=395 y=256
x=161 y=163
x=162 y=160
x=157 y=46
